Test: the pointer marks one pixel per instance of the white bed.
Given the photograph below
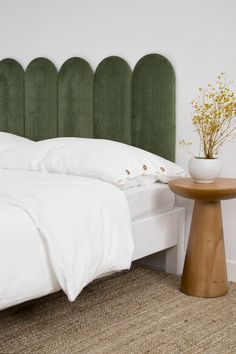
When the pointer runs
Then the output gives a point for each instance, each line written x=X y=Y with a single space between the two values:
x=69 y=234
x=25 y=263
x=68 y=215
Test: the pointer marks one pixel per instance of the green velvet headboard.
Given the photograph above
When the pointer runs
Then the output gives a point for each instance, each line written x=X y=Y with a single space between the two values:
x=115 y=103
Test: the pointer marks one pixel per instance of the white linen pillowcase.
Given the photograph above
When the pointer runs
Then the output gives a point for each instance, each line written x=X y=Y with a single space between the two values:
x=122 y=165
x=8 y=141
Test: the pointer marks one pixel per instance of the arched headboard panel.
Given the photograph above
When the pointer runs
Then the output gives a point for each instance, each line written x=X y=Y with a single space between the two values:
x=112 y=100
x=12 y=97
x=41 y=99
x=75 y=99
x=153 y=106
x=115 y=103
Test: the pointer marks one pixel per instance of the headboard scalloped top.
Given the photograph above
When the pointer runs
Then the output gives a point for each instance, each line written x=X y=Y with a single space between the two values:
x=114 y=103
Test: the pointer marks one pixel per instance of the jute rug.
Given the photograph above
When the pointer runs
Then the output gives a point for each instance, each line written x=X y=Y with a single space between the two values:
x=138 y=311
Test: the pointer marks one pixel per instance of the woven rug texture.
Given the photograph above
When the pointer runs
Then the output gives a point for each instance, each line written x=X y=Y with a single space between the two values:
x=137 y=311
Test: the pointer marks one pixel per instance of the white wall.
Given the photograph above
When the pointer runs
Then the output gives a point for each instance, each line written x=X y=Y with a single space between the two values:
x=197 y=36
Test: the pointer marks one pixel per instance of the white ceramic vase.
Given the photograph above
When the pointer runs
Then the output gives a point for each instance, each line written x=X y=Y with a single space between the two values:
x=204 y=170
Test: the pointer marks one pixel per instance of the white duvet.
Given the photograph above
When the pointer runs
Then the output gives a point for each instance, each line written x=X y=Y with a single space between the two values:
x=84 y=223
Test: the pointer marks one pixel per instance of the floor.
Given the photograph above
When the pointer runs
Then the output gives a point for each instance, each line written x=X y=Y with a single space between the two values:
x=136 y=311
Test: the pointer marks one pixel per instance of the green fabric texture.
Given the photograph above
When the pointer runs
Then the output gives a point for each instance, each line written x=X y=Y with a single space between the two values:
x=11 y=97
x=40 y=100
x=75 y=99
x=153 y=106
x=135 y=108
x=112 y=100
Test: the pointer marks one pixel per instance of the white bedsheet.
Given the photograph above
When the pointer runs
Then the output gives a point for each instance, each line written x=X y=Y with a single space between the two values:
x=147 y=201
x=81 y=228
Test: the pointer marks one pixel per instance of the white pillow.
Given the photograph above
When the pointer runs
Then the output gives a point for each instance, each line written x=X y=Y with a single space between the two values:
x=8 y=140
x=123 y=165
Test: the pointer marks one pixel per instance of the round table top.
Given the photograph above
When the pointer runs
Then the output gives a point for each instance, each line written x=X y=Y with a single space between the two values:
x=222 y=188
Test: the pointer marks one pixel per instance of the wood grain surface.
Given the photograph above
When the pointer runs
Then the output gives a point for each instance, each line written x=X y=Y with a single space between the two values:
x=205 y=273
x=223 y=188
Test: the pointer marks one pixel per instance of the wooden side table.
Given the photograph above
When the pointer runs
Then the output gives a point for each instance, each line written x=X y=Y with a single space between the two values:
x=205 y=273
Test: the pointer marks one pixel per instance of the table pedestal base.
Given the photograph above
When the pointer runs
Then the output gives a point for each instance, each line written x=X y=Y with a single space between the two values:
x=205 y=273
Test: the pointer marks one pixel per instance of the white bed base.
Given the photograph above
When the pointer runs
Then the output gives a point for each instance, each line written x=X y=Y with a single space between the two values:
x=162 y=232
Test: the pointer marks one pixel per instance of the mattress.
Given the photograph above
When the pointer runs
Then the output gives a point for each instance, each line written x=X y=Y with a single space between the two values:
x=147 y=201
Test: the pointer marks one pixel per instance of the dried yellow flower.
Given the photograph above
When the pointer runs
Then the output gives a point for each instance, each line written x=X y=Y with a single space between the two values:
x=213 y=116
